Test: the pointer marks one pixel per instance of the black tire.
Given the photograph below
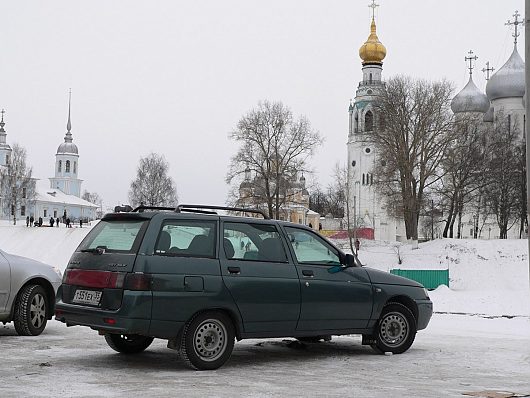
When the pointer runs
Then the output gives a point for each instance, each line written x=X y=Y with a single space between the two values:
x=395 y=330
x=31 y=310
x=128 y=343
x=207 y=340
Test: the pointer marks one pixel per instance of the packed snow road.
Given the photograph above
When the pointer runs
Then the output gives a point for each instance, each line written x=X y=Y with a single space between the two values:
x=456 y=354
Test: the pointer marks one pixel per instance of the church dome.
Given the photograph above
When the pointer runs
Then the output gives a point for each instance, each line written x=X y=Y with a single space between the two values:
x=372 y=51
x=509 y=80
x=67 y=147
x=470 y=99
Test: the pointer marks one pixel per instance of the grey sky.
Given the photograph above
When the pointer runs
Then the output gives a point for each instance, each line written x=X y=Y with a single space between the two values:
x=174 y=77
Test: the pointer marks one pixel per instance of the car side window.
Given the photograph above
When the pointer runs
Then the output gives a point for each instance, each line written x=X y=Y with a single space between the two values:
x=310 y=249
x=253 y=242
x=187 y=238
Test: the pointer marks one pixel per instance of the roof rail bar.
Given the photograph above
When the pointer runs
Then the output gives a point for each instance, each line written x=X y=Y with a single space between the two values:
x=190 y=208
x=141 y=208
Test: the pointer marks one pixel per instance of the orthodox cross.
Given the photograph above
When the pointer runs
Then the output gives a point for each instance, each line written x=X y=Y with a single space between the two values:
x=373 y=6
x=487 y=70
x=515 y=24
x=471 y=58
x=2 y=112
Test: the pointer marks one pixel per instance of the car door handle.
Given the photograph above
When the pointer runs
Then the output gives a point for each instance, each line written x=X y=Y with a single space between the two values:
x=234 y=270
x=308 y=272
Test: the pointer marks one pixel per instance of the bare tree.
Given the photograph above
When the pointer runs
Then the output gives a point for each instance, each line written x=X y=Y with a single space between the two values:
x=414 y=128
x=331 y=201
x=17 y=187
x=153 y=186
x=92 y=197
x=275 y=147
x=464 y=164
x=505 y=175
x=343 y=178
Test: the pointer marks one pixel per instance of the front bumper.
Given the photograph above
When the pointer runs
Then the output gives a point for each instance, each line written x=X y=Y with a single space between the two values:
x=425 y=310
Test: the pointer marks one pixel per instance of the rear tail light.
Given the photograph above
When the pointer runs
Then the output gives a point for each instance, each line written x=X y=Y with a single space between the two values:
x=94 y=279
x=137 y=281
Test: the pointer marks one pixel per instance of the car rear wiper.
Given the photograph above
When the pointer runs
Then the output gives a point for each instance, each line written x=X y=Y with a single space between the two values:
x=95 y=250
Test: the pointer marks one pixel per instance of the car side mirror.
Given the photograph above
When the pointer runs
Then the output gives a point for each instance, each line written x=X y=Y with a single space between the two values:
x=349 y=260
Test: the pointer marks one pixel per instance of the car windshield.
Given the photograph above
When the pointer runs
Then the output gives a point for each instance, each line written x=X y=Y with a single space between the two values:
x=114 y=236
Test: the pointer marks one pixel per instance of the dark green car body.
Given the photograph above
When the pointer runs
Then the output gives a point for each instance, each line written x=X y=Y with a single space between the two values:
x=267 y=292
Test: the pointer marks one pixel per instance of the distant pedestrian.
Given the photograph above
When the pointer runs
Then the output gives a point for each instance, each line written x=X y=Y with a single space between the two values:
x=320 y=226
x=310 y=225
x=357 y=244
x=57 y=221
x=52 y=221
x=31 y=219
x=40 y=221
x=80 y=223
x=68 y=222
x=27 y=221
x=242 y=245
x=247 y=246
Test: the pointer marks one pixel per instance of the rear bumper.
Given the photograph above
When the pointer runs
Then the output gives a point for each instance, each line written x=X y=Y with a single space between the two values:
x=424 y=313
x=133 y=317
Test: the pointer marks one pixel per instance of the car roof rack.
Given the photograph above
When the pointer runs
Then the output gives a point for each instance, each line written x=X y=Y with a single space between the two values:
x=141 y=208
x=200 y=209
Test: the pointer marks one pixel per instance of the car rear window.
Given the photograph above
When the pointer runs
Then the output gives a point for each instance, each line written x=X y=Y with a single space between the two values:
x=122 y=236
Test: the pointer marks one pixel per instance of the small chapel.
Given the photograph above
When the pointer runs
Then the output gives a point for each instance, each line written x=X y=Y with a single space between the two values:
x=60 y=196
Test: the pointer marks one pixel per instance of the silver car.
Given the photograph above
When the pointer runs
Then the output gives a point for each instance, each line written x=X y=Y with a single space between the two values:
x=27 y=293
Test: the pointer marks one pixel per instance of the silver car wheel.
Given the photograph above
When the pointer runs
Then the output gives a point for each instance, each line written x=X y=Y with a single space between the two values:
x=209 y=340
x=394 y=329
x=37 y=310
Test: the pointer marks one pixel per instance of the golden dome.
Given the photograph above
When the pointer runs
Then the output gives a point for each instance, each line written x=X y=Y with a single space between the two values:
x=372 y=51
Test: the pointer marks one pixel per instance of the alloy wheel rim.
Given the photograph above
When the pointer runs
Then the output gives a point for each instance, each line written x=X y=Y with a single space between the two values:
x=37 y=310
x=209 y=340
x=394 y=329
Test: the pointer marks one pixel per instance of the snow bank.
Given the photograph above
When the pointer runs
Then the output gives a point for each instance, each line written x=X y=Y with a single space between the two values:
x=487 y=277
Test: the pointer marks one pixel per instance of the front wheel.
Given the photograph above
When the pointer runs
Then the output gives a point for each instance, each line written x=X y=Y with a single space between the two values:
x=128 y=343
x=208 y=340
x=396 y=329
x=31 y=311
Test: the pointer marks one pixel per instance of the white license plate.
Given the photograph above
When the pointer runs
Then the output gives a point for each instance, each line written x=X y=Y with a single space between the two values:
x=91 y=297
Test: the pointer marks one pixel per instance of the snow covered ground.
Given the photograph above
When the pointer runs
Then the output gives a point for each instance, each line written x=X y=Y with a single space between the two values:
x=478 y=339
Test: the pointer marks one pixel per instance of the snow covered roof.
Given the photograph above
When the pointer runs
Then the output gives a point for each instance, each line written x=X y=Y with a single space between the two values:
x=54 y=195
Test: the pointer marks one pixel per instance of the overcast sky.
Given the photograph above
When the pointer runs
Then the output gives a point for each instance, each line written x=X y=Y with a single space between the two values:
x=174 y=77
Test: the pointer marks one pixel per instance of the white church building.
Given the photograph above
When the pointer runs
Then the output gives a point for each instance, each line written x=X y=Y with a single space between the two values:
x=61 y=195
x=504 y=94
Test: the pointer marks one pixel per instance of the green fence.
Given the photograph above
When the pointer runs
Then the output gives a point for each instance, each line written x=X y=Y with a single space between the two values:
x=430 y=278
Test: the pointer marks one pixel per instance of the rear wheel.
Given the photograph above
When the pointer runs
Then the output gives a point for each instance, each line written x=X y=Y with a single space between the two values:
x=208 y=340
x=128 y=343
x=31 y=310
x=396 y=329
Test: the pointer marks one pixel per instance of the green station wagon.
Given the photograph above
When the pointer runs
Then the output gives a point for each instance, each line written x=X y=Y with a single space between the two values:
x=202 y=280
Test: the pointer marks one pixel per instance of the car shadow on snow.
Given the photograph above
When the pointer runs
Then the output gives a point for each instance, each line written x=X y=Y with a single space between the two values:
x=246 y=353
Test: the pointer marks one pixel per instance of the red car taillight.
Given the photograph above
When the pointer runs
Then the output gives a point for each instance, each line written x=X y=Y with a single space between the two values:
x=95 y=279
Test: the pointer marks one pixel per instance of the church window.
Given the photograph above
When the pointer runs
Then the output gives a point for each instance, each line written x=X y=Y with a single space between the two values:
x=60 y=166
x=370 y=78
x=67 y=167
x=509 y=122
x=75 y=167
x=363 y=179
x=45 y=213
x=371 y=179
x=7 y=158
x=369 y=121
x=22 y=211
x=367 y=150
x=356 y=124
x=353 y=163
x=24 y=193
